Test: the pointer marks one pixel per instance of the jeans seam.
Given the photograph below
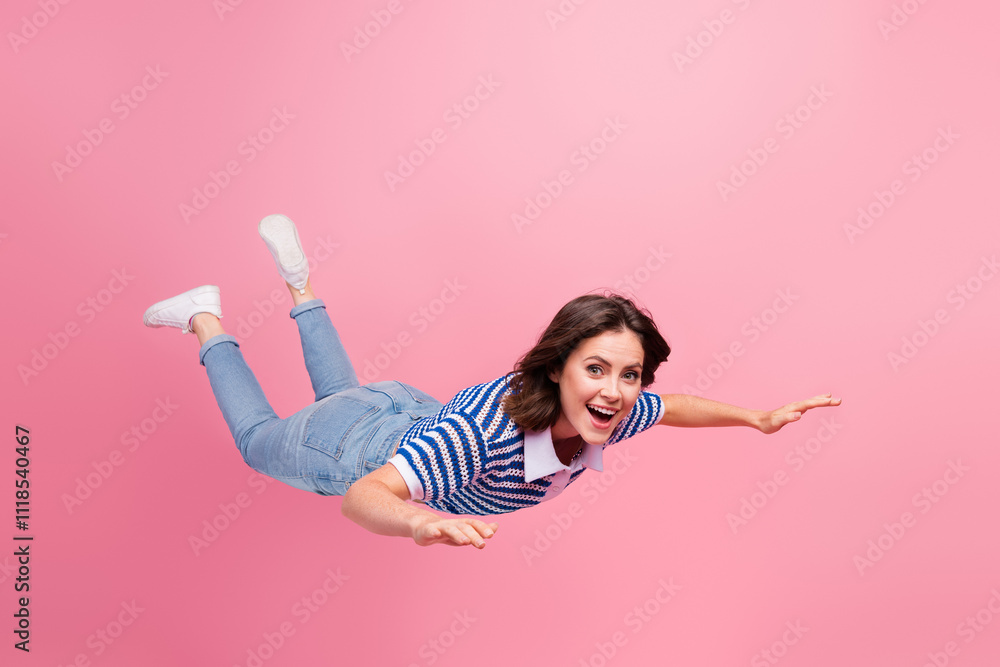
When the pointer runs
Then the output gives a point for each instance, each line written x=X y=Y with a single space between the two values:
x=416 y=399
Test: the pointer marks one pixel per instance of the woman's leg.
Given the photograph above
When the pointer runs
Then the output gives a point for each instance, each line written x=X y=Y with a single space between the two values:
x=239 y=395
x=269 y=445
x=329 y=367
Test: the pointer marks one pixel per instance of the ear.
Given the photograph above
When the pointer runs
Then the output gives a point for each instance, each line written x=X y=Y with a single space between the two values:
x=555 y=375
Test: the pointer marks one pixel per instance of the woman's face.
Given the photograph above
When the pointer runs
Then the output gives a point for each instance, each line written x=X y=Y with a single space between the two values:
x=602 y=372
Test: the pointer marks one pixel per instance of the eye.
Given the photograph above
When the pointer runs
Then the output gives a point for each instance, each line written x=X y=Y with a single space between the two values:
x=593 y=367
x=635 y=376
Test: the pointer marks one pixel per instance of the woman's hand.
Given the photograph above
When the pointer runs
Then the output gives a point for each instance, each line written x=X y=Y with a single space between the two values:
x=453 y=532
x=772 y=421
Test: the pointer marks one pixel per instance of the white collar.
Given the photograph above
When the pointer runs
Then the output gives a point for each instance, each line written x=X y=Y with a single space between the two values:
x=540 y=456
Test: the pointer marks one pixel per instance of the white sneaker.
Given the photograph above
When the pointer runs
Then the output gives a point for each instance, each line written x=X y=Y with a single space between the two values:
x=282 y=240
x=177 y=311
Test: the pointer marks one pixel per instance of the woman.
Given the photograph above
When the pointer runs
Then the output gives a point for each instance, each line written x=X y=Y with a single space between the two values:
x=495 y=447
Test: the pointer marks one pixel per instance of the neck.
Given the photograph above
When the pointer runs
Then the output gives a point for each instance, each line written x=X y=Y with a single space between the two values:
x=563 y=430
x=565 y=442
x=567 y=448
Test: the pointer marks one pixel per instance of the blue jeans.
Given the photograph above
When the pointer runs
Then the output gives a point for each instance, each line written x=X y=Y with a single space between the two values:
x=347 y=433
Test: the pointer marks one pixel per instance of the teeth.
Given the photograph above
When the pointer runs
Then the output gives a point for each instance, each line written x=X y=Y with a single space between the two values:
x=602 y=410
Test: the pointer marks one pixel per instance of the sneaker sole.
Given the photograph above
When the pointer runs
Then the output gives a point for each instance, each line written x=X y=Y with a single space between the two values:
x=282 y=239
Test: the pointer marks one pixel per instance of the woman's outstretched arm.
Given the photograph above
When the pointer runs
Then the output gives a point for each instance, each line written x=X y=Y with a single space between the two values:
x=377 y=503
x=687 y=410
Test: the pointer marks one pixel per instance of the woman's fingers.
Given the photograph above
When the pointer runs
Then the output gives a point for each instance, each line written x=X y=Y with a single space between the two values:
x=485 y=529
x=475 y=531
x=463 y=532
x=815 y=402
x=455 y=532
x=786 y=414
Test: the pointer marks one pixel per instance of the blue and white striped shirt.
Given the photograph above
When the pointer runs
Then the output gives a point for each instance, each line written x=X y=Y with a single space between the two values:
x=471 y=458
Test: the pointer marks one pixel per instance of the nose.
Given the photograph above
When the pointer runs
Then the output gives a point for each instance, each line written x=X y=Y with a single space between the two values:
x=610 y=390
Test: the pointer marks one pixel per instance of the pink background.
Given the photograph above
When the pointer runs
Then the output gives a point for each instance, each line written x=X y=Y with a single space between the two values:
x=652 y=192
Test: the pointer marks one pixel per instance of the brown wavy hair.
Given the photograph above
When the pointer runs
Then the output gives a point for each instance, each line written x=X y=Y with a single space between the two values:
x=534 y=399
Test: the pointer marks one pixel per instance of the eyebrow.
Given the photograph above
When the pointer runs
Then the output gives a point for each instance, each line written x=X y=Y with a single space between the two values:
x=608 y=363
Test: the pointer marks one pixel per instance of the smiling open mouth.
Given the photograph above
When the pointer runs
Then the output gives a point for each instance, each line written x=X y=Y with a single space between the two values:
x=601 y=416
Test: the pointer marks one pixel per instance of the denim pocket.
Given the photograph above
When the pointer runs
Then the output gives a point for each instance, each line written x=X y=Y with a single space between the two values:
x=338 y=425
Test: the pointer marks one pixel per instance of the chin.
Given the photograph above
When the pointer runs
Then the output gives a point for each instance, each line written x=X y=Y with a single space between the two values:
x=597 y=436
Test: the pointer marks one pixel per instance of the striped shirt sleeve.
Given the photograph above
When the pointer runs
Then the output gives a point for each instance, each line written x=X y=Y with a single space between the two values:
x=443 y=459
x=646 y=413
x=413 y=484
